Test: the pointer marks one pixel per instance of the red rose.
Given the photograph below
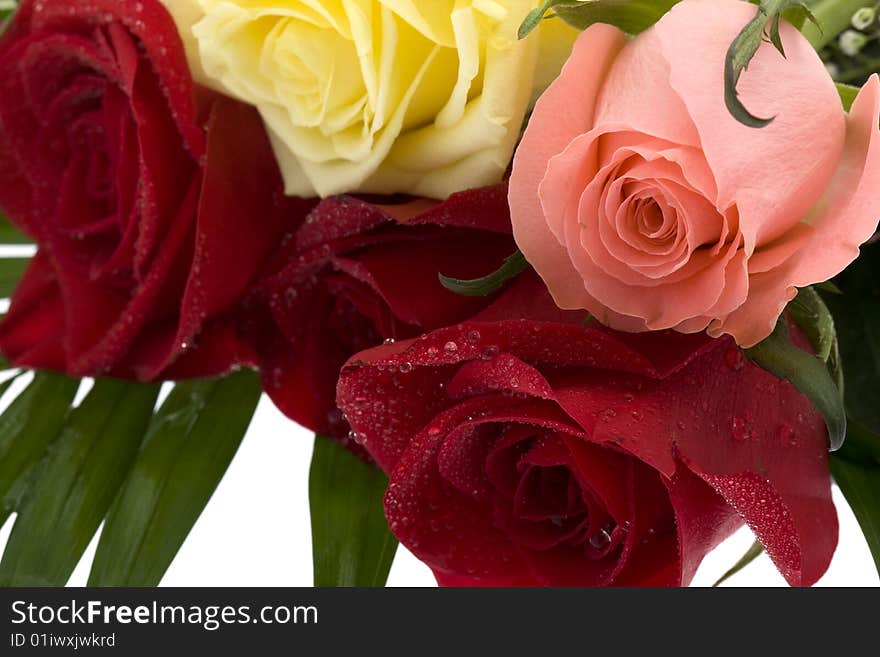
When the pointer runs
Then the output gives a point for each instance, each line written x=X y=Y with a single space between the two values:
x=539 y=451
x=150 y=226
x=357 y=273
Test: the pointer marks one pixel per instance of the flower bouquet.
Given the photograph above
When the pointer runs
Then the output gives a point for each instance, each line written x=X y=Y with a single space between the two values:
x=568 y=291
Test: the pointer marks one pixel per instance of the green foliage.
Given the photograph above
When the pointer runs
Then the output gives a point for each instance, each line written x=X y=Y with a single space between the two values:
x=188 y=447
x=351 y=542
x=11 y=270
x=857 y=319
x=76 y=484
x=751 y=554
x=29 y=426
x=765 y=25
x=631 y=16
x=808 y=374
x=513 y=266
x=9 y=234
x=856 y=469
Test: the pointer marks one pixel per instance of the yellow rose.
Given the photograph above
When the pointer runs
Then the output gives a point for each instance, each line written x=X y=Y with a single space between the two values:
x=425 y=97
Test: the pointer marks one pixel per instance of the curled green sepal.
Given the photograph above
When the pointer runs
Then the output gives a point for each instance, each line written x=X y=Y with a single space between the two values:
x=513 y=266
x=764 y=26
x=807 y=373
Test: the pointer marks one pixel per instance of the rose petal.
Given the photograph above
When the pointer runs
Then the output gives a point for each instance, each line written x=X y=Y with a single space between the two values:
x=773 y=175
x=564 y=111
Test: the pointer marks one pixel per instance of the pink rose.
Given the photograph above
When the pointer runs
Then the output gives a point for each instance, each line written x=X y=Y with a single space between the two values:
x=636 y=196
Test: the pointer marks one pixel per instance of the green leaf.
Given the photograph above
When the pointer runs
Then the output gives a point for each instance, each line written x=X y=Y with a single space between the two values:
x=513 y=266
x=11 y=270
x=534 y=18
x=860 y=485
x=779 y=356
x=189 y=445
x=78 y=482
x=751 y=554
x=831 y=18
x=856 y=469
x=30 y=424
x=857 y=320
x=6 y=9
x=631 y=16
x=847 y=93
x=9 y=234
x=4 y=385
x=351 y=542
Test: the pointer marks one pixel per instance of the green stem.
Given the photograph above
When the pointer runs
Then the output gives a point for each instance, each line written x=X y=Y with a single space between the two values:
x=833 y=16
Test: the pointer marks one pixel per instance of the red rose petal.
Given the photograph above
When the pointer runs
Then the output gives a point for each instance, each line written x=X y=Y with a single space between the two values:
x=689 y=414
x=32 y=333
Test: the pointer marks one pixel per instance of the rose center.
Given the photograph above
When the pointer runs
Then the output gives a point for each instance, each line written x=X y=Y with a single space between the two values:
x=542 y=503
x=318 y=70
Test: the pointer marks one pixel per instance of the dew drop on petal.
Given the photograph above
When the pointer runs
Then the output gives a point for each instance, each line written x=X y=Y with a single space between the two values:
x=600 y=540
x=735 y=359
x=787 y=436
x=741 y=429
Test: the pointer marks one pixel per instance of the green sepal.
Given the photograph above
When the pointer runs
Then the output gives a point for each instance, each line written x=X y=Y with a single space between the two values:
x=765 y=24
x=631 y=16
x=809 y=374
x=513 y=266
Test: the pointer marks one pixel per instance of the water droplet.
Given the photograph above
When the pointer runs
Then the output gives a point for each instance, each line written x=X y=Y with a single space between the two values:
x=489 y=352
x=787 y=436
x=600 y=540
x=357 y=437
x=741 y=429
x=432 y=351
x=406 y=368
x=628 y=397
x=473 y=336
x=450 y=347
x=735 y=359
x=433 y=431
x=388 y=341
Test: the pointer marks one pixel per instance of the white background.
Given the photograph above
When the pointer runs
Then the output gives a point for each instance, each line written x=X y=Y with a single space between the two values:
x=255 y=531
